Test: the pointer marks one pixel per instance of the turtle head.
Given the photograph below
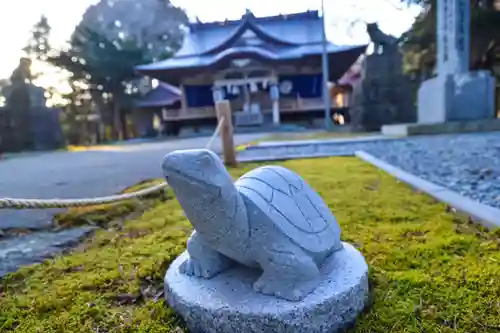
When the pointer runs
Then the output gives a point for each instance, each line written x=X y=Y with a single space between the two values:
x=206 y=192
x=201 y=167
x=197 y=173
x=201 y=184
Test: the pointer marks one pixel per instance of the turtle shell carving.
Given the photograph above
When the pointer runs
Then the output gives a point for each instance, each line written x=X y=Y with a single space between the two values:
x=293 y=206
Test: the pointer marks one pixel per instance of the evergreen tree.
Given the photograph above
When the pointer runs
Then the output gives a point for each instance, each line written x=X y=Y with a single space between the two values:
x=106 y=67
x=109 y=42
x=38 y=46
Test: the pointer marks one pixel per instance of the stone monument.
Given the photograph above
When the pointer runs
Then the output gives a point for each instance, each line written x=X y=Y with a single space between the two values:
x=383 y=95
x=381 y=41
x=28 y=124
x=266 y=253
x=455 y=94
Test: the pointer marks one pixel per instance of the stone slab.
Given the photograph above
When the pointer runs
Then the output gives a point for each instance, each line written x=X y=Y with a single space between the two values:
x=480 y=213
x=402 y=130
x=457 y=97
x=227 y=303
x=38 y=246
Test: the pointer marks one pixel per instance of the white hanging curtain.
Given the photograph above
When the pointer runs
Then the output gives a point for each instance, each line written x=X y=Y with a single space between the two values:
x=235 y=90
x=253 y=87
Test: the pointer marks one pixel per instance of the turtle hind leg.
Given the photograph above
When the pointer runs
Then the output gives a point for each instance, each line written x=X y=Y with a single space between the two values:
x=289 y=273
x=203 y=260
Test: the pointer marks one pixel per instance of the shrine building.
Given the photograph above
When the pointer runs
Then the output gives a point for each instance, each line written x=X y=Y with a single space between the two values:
x=269 y=68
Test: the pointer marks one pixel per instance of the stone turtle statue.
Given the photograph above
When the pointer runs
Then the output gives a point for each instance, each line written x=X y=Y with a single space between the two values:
x=269 y=219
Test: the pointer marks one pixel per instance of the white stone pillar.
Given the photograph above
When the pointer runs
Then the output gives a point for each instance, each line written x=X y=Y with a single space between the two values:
x=276 y=112
x=275 y=96
x=453 y=20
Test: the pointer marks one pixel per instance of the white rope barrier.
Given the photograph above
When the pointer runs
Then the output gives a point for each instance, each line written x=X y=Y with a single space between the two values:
x=216 y=133
x=65 y=203
x=10 y=203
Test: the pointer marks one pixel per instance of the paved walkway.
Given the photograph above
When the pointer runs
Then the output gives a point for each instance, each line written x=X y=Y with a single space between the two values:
x=85 y=174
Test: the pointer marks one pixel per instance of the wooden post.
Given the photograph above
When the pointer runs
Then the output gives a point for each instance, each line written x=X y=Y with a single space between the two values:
x=223 y=110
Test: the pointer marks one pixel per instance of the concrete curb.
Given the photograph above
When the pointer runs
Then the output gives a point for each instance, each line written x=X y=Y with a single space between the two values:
x=311 y=142
x=480 y=213
x=289 y=157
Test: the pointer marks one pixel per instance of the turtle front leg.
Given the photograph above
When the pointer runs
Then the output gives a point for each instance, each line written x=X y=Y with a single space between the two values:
x=289 y=273
x=203 y=260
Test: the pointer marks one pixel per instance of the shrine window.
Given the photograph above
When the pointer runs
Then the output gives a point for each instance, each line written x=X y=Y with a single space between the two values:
x=258 y=73
x=234 y=75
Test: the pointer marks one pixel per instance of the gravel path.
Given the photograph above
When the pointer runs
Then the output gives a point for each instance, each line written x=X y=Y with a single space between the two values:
x=466 y=163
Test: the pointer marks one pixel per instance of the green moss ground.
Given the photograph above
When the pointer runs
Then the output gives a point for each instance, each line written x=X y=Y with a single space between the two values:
x=430 y=270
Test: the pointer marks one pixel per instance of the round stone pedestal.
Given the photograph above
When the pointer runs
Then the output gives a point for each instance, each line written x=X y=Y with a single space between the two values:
x=227 y=303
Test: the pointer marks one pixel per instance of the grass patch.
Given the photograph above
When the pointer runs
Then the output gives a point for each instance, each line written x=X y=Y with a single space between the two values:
x=101 y=147
x=430 y=270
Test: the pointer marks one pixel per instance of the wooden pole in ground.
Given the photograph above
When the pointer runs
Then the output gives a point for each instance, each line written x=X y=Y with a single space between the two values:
x=223 y=111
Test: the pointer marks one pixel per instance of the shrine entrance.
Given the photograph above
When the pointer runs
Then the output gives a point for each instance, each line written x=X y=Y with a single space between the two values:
x=252 y=94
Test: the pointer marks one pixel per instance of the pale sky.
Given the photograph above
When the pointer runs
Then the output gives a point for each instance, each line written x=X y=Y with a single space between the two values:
x=18 y=17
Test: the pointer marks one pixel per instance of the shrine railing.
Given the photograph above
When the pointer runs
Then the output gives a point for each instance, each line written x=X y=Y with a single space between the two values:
x=285 y=104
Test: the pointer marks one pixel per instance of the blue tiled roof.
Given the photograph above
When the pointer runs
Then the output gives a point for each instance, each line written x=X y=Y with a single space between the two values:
x=301 y=28
x=276 y=38
x=163 y=95
x=284 y=53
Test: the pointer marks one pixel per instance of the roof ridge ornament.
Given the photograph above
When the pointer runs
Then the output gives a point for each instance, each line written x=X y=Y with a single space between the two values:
x=248 y=14
x=248 y=22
